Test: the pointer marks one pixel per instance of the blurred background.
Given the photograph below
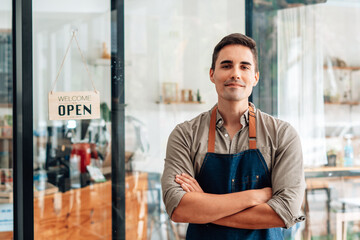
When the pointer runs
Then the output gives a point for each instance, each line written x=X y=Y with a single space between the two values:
x=309 y=76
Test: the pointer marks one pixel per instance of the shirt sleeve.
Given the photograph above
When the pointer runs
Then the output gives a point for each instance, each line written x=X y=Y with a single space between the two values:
x=288 y=182
x=177 y=161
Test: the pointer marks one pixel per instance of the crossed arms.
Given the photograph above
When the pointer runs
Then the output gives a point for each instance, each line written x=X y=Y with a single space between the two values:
x=252 y=209
x=246 y=209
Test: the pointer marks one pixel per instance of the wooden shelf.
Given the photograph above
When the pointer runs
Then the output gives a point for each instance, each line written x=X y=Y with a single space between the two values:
x=333 y=172
x=6 y=105
x=8 y=138
x=169 y=103
x=343 y=68
x=342 y=103
x=354 y=137
x=6 y=197
x=101 y=62
x=331 y=169
x=5 y=30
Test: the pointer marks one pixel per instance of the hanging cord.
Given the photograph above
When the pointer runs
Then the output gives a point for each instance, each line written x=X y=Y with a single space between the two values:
x=87 y=69
x=82 y=58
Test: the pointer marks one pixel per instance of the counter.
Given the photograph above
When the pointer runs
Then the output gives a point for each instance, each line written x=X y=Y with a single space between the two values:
x=85 y=213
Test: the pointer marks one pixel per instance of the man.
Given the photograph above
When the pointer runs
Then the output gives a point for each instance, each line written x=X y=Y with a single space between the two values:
x=234 y=172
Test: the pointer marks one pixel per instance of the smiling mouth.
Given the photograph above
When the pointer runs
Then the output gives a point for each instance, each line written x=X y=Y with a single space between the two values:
x=234 y=85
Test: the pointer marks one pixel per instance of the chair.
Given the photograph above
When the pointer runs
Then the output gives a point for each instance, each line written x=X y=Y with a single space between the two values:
x=349 y=211
x=160 y=223
x=313 y=185
x=342 y=218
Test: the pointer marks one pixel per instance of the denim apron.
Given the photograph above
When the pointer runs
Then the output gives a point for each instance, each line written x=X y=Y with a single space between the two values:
x=227 y=173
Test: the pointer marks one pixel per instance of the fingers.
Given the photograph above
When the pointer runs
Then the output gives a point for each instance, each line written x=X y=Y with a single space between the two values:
x=186 y=189
x=190 y=179
x=188 y=183
x=186 y=179
x=184 y=185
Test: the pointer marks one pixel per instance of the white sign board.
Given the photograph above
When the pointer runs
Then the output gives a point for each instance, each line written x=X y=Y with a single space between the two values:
x=6 y=217
x=74 y=105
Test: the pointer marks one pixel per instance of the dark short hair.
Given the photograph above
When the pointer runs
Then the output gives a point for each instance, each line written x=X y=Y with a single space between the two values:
x=236 y=39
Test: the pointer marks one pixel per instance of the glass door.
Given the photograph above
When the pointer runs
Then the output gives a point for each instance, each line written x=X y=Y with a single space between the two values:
x=308 y=54
x=6 y=121
x=72 y=157
x=163 y=51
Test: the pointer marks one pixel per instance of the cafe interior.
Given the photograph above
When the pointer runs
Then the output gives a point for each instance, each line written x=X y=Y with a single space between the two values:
x=309 y=76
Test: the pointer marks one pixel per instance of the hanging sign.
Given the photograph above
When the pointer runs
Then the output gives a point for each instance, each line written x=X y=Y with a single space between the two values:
x=74 y=105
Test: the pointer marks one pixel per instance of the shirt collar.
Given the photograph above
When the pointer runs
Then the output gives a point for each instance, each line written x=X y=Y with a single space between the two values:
x=244 y=119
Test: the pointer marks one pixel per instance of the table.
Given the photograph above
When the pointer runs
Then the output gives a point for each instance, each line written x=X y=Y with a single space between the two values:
x=332 y=172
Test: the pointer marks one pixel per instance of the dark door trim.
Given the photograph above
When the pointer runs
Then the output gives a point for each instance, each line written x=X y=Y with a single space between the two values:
x=22 y=120
x=117 y=120
x=248 y=25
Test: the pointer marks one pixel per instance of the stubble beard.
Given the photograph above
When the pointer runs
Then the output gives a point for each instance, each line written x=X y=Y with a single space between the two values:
x=234 y=94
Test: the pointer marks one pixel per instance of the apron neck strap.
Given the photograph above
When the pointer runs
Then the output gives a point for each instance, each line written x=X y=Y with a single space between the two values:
x=252 y=129
x=212 y=127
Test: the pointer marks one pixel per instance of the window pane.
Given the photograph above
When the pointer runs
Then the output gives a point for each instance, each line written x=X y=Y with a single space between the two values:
x=6 y=126
x=168 y=50
x=316 y=74
x=72 y=167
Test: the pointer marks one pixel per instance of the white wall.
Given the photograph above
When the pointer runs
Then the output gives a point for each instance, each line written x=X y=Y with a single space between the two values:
x=5 y=20
x=172 y=41
x=165 y=41
x=5 y=14
x=339 y=27
x=339 y=23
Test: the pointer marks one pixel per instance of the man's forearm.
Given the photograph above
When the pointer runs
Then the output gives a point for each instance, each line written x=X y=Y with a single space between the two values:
x=261 y=216
x=197 y=207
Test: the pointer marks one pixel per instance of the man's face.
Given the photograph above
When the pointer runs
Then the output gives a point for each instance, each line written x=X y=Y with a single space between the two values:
x=234 y=75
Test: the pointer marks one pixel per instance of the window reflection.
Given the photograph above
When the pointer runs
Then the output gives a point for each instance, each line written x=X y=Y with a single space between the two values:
x=72 y=173
x=6 y=121
x=312 y=81
x=168 y=47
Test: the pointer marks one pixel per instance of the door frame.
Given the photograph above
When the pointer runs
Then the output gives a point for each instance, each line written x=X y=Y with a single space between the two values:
x=23 y=158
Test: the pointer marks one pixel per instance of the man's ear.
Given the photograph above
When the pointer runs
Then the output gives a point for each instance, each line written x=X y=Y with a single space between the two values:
x=257 y=75
x=211 y=74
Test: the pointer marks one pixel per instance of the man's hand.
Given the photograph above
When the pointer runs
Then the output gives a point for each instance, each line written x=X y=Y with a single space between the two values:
x=188 y=183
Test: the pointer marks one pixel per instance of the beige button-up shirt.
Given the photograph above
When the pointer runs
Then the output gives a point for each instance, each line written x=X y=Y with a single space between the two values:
x=277 y=140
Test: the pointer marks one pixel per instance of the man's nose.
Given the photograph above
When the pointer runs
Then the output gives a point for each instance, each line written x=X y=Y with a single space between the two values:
x=236 y=74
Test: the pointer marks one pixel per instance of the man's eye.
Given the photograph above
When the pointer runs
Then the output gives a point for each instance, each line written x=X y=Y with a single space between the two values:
x=245 y=67
x=225 y=66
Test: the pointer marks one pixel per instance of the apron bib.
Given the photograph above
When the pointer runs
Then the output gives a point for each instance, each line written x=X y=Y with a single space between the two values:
x=232 y=173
